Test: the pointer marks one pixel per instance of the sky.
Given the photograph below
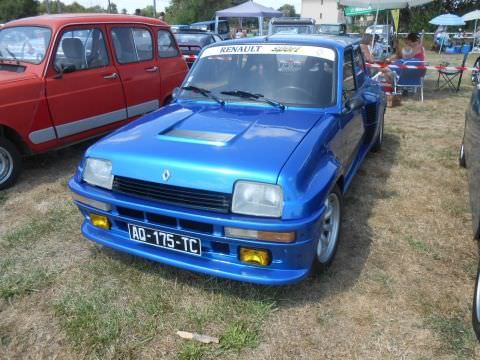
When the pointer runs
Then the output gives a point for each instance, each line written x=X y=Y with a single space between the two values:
x=131 y=5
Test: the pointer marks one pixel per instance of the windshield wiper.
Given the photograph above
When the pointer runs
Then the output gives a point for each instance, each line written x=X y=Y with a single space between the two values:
x=204 y=92
x=12 y=55
x=249 y=95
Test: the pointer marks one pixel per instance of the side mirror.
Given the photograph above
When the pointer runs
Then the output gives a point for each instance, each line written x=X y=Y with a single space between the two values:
x=354 y=104
x=175 y=93
x=64 y=69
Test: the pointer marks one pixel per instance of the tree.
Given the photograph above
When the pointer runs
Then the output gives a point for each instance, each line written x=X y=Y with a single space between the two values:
x=113 y=8
x=188 y=11
x=147 y=11
x=124 y=11
x=14 y=9
x=288 y=10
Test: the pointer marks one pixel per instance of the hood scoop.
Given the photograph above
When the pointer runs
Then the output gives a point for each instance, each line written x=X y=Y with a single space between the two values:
x=199 y=137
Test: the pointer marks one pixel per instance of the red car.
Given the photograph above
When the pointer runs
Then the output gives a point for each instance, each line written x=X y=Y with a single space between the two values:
x=66 y=78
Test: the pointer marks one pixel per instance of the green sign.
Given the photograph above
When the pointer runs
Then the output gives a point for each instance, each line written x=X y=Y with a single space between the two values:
x=354 y=11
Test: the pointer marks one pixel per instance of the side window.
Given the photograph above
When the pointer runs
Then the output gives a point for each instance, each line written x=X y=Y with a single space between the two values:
x=359 y=67
x=166 y=45
x=81 y=49
x=348 y=75
x=222 y=28
x=132 y=44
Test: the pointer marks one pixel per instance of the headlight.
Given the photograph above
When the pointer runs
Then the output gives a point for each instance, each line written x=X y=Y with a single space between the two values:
x=257 y=199
x=98 y=172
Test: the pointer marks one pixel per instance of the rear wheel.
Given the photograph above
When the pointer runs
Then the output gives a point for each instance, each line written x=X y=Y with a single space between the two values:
x=461 y=156
x=476 y=306
x=329 y=233
x=10 y=163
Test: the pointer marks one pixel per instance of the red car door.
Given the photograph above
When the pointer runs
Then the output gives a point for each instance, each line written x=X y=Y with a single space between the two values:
x=172 y=66
x=137 y=65
x=84 y=91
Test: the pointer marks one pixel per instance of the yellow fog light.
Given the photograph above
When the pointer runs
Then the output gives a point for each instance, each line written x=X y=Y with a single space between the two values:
x=255 y=256
x=100 y=221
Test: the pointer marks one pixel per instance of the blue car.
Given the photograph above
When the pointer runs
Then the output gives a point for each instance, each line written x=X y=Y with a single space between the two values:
x=242 y=176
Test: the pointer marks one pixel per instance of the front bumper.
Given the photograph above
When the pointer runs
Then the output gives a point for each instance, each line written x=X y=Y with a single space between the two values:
x=290 y=262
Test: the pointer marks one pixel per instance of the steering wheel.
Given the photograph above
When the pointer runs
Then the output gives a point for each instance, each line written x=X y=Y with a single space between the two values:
x=295 y=90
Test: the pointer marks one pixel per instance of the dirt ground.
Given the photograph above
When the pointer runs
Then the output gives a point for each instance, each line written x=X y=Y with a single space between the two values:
x=400 y=288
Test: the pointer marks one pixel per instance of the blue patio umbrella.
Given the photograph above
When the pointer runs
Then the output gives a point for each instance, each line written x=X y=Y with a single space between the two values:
x=447 y=20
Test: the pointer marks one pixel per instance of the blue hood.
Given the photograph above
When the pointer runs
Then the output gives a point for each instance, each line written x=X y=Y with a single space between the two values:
x=206 y=146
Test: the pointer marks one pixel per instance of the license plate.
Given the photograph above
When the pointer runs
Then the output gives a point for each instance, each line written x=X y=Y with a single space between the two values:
x=165 y=240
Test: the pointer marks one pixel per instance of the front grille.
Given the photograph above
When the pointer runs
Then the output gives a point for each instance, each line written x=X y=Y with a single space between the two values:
x=175 y=195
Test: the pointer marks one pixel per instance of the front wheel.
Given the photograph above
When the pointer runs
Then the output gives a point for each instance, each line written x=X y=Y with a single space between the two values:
x=329 y=232
x=10 y=163
x=377 y=146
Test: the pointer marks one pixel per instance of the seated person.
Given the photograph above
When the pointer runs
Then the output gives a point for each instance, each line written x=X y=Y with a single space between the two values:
x=366 y=48
x=413 y=49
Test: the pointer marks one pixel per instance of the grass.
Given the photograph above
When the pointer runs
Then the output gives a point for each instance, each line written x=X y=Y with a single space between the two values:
x=116 y=304
x=418 y=245
x=23 y=282
x=400 y=287
x=58 y=219
x=193 y=351
x=455 y=334
x=3 y=197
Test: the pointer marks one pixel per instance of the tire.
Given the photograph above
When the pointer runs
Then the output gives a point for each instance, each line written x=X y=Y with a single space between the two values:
x=327 y=242
x=461 y=157
x=476 y=306
x=377 y=146
x=10 y=163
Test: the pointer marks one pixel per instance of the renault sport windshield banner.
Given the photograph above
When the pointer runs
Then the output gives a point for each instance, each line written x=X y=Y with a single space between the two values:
x=315 y=51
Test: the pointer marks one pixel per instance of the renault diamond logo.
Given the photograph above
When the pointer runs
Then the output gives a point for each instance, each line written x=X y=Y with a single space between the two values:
x=166 y=175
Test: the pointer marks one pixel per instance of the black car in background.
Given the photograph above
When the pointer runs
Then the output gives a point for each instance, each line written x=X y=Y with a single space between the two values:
x=470 y=158
x=191 y=42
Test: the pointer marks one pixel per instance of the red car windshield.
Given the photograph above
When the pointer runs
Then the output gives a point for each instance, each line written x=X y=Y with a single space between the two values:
x=24 y=43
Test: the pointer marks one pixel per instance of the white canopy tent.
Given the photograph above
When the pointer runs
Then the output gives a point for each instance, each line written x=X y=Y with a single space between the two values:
x=246 y=10
x=473 y=15
x=383 y=5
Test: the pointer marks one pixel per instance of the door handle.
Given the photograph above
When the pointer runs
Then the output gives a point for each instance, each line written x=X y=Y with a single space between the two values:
x=152 y=69
x=111 y=76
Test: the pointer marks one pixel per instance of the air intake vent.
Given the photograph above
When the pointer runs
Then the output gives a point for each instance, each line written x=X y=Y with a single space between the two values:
x=175 y=195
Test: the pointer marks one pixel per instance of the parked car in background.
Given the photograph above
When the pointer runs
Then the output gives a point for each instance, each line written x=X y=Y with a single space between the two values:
x=191 y=42
x=176 y=28
x=223 y=27
x=470 y=158
x=66 y=78
x=243 y=175
x=386 y=35
x=332 y=29
x=291 y=25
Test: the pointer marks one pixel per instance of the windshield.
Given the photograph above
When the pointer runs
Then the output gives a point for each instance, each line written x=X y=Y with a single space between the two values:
x=194 y=39
x=330 y=29
x=291 y=29
x=24 y=43
x=290 y=75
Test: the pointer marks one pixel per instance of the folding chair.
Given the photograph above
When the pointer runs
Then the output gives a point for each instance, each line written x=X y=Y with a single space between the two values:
x=449 y=77
x=411 y=79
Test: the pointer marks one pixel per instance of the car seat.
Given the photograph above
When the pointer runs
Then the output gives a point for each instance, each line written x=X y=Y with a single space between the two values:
x=74 y=52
